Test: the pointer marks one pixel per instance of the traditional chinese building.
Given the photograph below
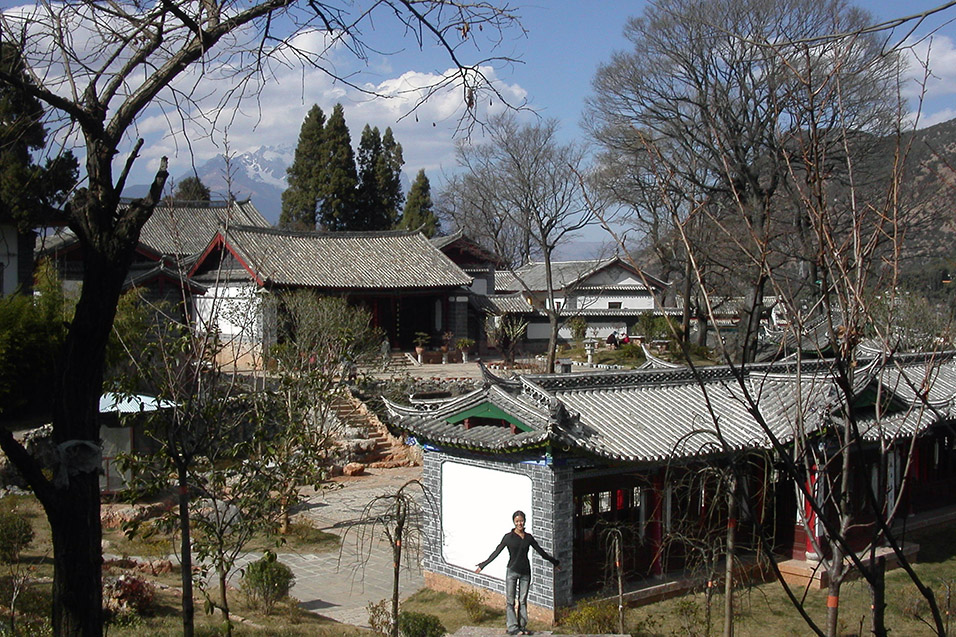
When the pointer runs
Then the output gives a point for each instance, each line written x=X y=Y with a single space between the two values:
x=644 y=451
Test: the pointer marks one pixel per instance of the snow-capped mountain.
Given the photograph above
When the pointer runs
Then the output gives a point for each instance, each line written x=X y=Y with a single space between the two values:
x=259 y=174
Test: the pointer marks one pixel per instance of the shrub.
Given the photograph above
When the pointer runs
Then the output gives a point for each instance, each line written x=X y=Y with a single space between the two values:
x=689 y=612
x=15 y=535
x=380 y=617
x=267 y=581
x=473 y=602
x=578 y=326
x=593 y=616
x=419 y=625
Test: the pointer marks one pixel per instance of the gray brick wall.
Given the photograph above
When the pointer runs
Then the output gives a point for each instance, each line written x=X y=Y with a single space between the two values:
x=552 y=510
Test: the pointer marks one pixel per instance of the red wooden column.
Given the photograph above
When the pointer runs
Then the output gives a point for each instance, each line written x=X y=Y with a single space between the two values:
x=803 y=535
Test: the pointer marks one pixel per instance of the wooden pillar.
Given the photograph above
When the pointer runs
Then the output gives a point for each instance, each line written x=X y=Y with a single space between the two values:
x=803 y=535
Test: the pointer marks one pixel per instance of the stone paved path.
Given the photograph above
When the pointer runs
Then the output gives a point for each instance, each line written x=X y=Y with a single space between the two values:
x=340 y=584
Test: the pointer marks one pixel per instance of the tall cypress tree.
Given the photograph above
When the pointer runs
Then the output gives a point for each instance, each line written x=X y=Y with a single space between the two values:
x=300 y=201
x=370 y=214
x=388 y=175
x=380 y=180
x=337 y=207
x=419 y=213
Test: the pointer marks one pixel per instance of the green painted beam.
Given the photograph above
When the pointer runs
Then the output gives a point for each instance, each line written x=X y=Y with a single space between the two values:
x=487 y=410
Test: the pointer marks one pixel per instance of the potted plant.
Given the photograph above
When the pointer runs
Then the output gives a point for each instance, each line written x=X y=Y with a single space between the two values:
x=446 y=340
x=464 y=345
x=421 y=340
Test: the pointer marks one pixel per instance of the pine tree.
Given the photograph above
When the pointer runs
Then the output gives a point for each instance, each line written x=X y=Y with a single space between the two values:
x=339 y=180
x=192 y=189
x=30 y=194
x=300 y=201
x=419 y=213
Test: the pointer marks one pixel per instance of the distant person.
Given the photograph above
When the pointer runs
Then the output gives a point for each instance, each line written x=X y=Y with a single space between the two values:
x=518 y=574
x=612 y=340
x=625 y=339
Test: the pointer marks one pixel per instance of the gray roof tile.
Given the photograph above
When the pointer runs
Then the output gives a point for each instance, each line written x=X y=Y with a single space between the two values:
x=180 y=229
x=653 y=415
x=344 y=260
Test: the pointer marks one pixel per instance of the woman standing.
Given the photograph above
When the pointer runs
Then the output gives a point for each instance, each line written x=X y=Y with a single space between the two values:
x=518 y=575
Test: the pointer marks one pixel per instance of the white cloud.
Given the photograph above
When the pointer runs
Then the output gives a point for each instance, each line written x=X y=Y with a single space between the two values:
x=931 y=73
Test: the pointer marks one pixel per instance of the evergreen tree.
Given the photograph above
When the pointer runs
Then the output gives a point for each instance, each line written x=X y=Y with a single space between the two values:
x=30 y=194
x=419 y=213
x=339 y=180
x=380 y=171
x=192 y=189
x=370 y=214
x=300 y=201
x=389 y=177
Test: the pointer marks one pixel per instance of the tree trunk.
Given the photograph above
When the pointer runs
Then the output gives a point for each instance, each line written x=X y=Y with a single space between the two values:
x=729 y=559
x=77 y=558
x=750 y=321
x=75 y=514
x=224 y=601
x=397 y=562
x=552 y=340
x=686 y=293
x=878 y=595
x=619 y=567
x=833 y=592
x=185 y=552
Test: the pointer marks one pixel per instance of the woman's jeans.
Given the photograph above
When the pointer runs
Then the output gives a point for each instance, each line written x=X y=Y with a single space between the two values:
x=516 y=583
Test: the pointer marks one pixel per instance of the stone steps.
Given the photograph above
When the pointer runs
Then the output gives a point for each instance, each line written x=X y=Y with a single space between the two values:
x=383 y=451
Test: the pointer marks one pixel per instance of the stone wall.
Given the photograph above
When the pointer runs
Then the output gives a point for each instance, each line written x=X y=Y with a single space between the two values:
x=552 y=511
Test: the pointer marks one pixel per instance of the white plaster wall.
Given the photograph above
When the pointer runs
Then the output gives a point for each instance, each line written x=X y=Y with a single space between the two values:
x=627 y=301
x=476 y=508
x=235 y=310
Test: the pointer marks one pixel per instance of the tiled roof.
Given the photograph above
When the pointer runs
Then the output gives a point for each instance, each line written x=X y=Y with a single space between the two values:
x=142 y=273
x=654 y=415
x=431 y=427
x=564 y=274
x=508 y=304
x=343 y=260
x=180 y=230
x=185 y=229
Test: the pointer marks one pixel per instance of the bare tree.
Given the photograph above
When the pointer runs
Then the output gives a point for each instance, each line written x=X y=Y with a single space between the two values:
x=523 y=178
x=398 y=518
x=721 y=109
x=98 y=67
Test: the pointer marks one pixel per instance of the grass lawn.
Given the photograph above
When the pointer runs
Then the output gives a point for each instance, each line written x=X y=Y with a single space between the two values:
x=760 y=610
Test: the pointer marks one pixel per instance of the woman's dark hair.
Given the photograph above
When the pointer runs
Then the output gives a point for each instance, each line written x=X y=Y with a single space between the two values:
x=517 y=513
